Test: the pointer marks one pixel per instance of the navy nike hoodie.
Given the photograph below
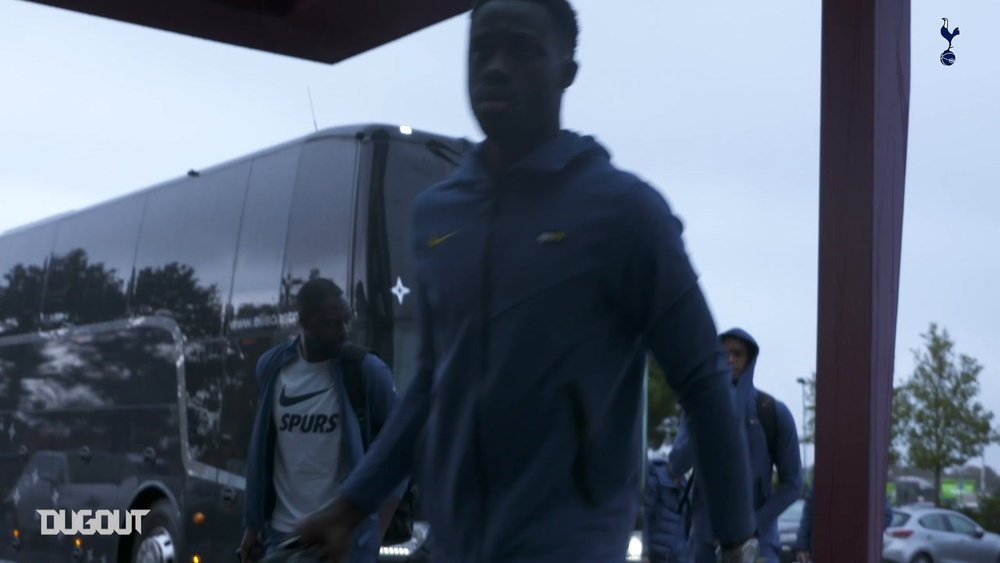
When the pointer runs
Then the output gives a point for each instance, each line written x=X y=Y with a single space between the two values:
x=539 y=292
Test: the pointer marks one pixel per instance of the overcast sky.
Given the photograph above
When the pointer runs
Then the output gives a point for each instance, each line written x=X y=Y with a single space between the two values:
x=716 y=104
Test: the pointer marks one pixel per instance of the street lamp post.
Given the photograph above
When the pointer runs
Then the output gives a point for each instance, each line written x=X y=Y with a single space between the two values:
x=801 y=381
x=982 y=472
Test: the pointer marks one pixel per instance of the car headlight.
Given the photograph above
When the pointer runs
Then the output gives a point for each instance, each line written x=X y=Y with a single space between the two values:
x=634 y=552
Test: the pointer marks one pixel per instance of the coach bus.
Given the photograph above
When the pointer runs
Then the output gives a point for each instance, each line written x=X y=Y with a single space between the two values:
x=129 y=333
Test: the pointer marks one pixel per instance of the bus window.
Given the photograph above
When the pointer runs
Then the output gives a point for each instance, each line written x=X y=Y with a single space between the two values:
x=239 y=404
x=23 y=260
x=184 y=262
x=220 y=399
x=257 y=280
x=99 y=368
x=203 y=398
x=91 y=264
x=319 y=228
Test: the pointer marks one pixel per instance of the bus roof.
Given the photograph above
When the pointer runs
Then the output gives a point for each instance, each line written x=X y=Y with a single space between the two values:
x=359 y=132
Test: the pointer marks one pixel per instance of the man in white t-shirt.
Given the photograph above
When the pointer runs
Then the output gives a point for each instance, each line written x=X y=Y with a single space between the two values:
x=307 y=436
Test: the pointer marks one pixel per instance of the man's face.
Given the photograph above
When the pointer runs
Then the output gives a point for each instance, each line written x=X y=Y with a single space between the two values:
x=518 y=68
x=738 y=354
x=327 y=326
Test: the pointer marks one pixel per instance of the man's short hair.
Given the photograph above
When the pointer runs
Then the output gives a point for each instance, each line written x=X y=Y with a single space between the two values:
x=562 y=14
x=315 y=292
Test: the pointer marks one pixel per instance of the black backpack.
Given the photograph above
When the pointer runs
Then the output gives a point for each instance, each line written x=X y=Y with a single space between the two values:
x=401 y=527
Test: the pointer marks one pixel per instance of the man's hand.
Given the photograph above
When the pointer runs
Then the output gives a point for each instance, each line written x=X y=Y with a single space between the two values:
x=802 y=556
x=250 y=547
x=744 y=552
x=331 y=532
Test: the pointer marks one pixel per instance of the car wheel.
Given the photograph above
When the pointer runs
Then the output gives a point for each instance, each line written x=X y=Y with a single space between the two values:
x=922 y=558
x=157 y=543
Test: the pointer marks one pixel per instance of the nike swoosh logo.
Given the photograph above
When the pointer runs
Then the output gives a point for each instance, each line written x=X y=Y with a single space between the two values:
x=550 y=236
x=287 y=401
x=434 y=241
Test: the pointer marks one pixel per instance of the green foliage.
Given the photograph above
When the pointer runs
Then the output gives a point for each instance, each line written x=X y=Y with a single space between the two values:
x=75 y=291
x=936 y=411
x=897 y=424
x=173 y=290
x=662 y=404
x=988 y=515
x=809 y=432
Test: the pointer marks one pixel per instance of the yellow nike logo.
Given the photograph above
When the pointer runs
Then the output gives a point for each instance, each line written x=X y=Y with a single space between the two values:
x=550 y=236
x=434 y=241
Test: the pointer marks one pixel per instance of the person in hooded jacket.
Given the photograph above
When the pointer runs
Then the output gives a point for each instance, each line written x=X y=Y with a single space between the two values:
x=770 y=499
x=663 y=537
x=542 y=274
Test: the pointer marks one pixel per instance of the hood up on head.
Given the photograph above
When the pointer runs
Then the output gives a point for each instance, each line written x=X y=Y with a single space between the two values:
x=745 y=383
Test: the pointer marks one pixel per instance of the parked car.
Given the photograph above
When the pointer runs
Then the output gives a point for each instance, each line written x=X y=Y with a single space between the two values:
x=922 y=534
x=788 y=529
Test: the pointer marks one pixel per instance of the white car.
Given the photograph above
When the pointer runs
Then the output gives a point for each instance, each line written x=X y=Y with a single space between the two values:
x=925 y=534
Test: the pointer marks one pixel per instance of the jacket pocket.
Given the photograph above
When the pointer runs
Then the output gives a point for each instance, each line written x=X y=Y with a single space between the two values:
x=760 y=493
x=581 y=478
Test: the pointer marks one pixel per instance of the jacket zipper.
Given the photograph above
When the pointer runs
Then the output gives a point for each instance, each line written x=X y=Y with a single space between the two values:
x=487 y=293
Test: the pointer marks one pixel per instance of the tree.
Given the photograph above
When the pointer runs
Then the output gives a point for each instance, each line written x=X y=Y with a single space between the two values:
x=174 y=290
x=988 y=514
x=76 y=291
x=897 y=423
x=21 y=298
x=661 y=402
x=939 y=417
x=809 y=424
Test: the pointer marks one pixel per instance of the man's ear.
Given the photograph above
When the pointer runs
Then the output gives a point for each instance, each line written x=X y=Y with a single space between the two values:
x=568 y=73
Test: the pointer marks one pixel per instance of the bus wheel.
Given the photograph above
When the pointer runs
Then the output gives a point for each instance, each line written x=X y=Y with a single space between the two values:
x=156 y=544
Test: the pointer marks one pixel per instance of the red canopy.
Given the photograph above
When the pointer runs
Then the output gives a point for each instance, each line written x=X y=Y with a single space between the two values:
x=326 y=31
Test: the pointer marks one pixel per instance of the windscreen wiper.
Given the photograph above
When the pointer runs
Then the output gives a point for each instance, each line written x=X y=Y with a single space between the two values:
x=443 y=151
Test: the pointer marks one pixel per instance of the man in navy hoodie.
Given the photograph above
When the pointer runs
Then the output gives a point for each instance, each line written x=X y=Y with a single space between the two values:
x=775 y=448
x=663 y=537
x=543 y=274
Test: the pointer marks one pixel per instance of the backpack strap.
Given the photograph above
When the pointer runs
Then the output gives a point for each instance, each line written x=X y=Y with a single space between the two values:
x=352 y=358
x=686 y=495
x=768 y=417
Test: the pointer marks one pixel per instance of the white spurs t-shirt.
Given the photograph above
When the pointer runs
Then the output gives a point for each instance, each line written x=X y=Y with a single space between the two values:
x=307 y=450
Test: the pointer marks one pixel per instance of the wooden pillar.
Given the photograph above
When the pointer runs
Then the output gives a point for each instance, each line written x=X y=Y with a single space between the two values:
x=864 y=114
